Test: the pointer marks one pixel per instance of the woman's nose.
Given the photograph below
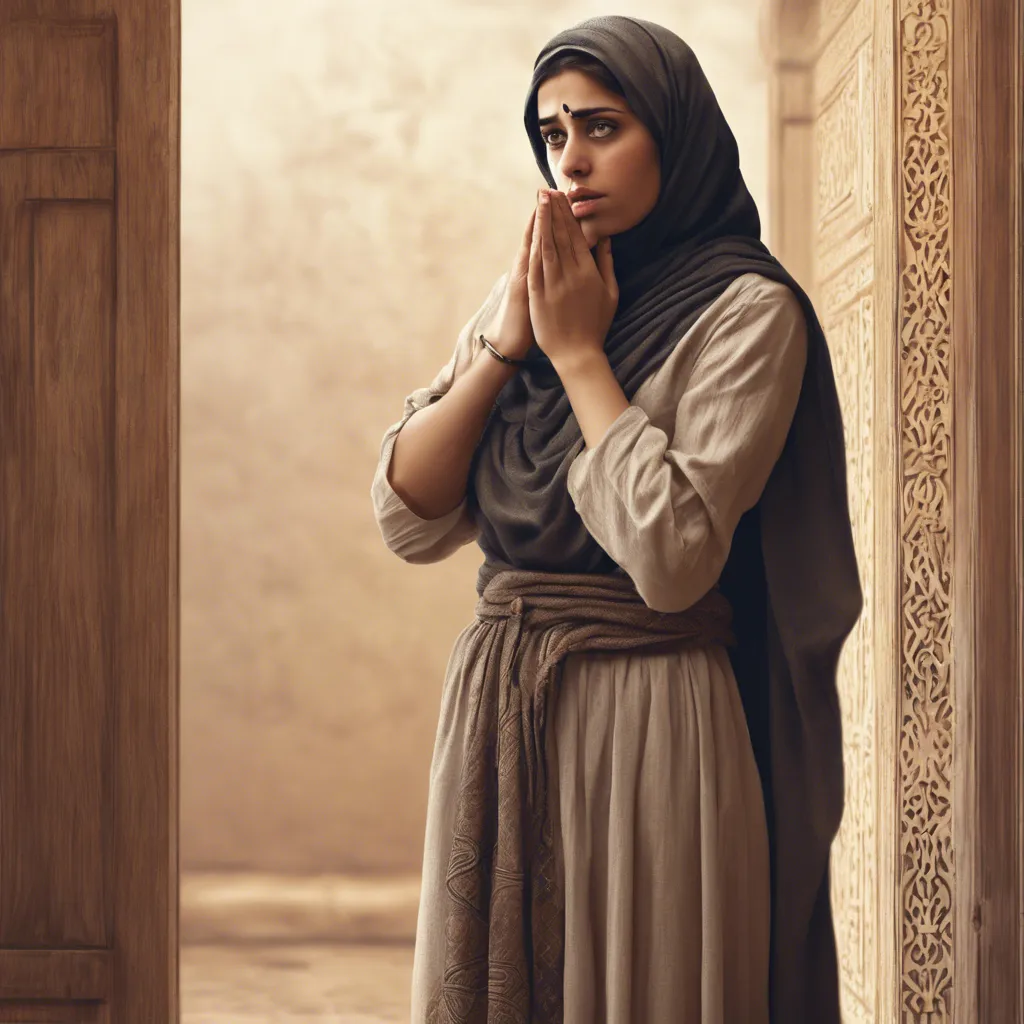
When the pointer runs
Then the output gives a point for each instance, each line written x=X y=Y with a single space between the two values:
x=574 y=160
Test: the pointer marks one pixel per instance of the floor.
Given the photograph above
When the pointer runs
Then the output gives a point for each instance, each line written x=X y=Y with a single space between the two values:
x=295 y=984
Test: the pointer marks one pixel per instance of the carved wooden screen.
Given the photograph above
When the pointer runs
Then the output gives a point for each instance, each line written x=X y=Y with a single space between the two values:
x=874 y=103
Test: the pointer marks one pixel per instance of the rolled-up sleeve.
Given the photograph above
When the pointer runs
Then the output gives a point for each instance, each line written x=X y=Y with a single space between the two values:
x=406 y=534
x=664 y=504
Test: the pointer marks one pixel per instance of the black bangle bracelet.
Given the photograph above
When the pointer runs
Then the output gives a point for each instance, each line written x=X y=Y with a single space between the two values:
x=497 y=355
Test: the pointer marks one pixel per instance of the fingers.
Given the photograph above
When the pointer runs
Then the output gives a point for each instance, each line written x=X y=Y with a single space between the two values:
x=607 y=267
x=535 y=273
x=548 y=249
x=580 y=245
x=528 y=233
x=523 y=256
x=562 y=231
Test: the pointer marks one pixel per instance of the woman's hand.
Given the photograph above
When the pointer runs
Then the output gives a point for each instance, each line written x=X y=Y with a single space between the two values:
x=573 y=297
x=510 y=330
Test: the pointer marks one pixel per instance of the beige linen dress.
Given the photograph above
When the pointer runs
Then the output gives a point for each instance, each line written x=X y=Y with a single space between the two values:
x=660 y=808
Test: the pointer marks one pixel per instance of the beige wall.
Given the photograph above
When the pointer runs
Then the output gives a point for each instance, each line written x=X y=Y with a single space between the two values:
x=314 y=297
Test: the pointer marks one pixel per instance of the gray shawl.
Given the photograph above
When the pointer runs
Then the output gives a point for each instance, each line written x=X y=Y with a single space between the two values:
x=792 y=578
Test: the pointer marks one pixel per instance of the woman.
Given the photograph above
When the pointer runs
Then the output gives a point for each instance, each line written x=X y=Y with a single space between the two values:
x=638 y=768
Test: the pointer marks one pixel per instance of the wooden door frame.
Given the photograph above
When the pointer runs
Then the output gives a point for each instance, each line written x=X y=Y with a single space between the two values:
x=988 y=478
x=949 y=82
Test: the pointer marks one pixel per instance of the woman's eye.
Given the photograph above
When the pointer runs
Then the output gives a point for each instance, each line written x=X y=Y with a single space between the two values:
x=597 y=124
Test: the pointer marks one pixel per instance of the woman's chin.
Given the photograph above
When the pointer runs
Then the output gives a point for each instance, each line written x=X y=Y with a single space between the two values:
x=594 y=230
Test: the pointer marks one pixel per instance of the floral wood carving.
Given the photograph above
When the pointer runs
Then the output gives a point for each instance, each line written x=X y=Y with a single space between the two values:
x=926 y=712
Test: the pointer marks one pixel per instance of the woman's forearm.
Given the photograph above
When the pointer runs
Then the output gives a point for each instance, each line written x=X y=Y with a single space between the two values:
x=594 y=393
x=430 y=462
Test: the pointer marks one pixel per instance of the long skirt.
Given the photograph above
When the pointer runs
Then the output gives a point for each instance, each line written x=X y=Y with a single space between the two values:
x=663 y=838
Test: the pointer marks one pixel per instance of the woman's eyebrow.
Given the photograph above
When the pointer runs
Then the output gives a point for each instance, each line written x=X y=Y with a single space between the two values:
x=579 y=113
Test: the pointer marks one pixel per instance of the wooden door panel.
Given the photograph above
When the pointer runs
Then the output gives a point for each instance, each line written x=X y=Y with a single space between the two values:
x=32 y=974
x=58 y=79
x=57 y=547
x=89 y=131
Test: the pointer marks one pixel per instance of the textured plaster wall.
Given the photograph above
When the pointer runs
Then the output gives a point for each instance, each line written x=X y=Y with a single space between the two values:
x=354 y=178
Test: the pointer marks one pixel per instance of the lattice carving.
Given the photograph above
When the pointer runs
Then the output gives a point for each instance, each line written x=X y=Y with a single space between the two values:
x=926 y=712
x=844 y=233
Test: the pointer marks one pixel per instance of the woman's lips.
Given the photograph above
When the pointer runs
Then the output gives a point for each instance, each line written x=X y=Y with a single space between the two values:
x=585 y=207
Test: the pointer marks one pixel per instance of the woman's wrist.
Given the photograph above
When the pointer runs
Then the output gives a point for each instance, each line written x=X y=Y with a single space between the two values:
x=493 y=372
x=500 y=350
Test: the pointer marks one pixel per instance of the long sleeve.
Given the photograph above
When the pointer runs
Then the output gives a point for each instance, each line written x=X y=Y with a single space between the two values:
x=663 y=493
x=406 y=534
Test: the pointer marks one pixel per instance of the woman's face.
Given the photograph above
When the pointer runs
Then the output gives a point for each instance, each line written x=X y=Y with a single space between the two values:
x=608 y=151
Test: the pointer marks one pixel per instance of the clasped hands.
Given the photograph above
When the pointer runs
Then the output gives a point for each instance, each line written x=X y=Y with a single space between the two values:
x=573 y=294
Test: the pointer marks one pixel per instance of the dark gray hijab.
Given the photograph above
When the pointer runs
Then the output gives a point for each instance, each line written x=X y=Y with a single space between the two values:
x=792 y=574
